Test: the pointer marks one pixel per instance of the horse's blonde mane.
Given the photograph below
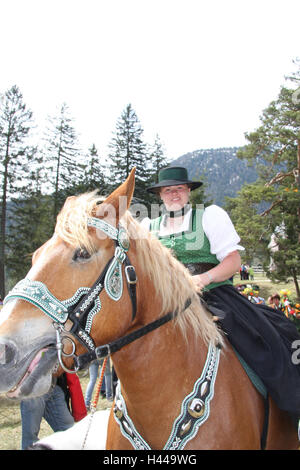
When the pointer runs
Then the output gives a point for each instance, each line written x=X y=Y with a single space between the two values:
x=171 y=279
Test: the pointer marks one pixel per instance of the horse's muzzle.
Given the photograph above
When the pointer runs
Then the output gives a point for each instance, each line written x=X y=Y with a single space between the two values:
x=19 y=372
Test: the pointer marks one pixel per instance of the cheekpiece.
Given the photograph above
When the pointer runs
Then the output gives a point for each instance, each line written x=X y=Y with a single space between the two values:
x=113 y=282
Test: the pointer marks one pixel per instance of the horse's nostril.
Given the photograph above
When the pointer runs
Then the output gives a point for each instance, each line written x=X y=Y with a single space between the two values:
x=7 y=354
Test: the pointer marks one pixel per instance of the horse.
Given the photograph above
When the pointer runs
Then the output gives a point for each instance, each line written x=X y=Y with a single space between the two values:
x=102 y=285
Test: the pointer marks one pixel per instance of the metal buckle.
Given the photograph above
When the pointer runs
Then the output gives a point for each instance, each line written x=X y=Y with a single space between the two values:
x=100 y=351
x=128 y=275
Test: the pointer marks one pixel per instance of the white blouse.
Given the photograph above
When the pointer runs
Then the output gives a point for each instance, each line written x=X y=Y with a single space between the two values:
x=217 y=226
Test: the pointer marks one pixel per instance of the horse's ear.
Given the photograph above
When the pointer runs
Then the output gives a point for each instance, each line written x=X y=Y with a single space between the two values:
x=119 y=200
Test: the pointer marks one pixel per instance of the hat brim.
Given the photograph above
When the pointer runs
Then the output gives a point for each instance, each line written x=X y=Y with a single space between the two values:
x=192 y=184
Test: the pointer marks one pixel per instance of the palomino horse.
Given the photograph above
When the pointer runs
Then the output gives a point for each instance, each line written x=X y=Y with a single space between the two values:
x=102 y=285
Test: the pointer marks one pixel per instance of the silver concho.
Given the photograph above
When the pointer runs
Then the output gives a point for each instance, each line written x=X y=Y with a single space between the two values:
x=123 y=239
x=118 y=411
x=196 y=408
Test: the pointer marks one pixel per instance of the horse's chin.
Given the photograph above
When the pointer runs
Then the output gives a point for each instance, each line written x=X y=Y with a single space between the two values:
x=37 y=379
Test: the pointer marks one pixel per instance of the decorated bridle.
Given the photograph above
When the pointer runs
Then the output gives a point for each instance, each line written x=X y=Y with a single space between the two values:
x=81 y=308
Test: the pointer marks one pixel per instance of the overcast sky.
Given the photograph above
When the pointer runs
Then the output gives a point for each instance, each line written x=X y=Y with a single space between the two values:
x=197 y=73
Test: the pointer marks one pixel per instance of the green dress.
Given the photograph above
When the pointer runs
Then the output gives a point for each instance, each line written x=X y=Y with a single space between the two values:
x=190 y=247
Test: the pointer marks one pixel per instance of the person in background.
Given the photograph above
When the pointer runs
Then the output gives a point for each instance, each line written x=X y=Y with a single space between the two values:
x=74 y=397
x=94 y=372
x=251 y=273
x=270 y=302
x=277 y=302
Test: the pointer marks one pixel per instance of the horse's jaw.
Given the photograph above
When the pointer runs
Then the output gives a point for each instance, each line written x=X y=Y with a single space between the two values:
x=35 y=377
x=27 y=361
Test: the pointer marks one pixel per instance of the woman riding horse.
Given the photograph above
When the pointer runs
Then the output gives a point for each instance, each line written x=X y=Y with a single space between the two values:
x=207 y=243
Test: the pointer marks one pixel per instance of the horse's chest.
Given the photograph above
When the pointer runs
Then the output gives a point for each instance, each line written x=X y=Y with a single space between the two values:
x=195 y=410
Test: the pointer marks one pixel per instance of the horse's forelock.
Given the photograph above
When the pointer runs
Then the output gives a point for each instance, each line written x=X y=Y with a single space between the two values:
x=72 y=220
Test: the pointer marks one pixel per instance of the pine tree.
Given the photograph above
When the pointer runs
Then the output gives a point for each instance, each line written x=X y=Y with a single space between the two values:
x=127 y=151
x=63 y=159
x=15 y=153
x=275 y=149
x=29 y=226
x=95 y=172
x=158 y=160
x=255 y=231
x=200 y=195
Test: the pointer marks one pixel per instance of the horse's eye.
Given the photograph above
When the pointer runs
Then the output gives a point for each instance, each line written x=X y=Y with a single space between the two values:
x=81 y=254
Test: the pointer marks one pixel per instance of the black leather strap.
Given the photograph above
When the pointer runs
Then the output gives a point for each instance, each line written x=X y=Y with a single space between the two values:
x=131 y=280
x=102 y=351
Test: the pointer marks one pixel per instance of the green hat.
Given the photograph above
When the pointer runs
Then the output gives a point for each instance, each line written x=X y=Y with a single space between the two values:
x=172 y=176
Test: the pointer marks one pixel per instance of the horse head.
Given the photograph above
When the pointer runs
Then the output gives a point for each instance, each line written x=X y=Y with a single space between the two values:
x=51 y=314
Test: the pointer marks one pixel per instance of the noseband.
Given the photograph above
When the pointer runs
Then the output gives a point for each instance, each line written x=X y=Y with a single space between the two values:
x=81 y=308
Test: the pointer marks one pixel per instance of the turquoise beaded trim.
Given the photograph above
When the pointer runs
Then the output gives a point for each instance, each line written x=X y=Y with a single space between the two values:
x=100 y=224
x=195 y=409
x=39 y=295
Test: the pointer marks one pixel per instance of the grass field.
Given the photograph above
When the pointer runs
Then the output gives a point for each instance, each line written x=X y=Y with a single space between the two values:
x=10 y=419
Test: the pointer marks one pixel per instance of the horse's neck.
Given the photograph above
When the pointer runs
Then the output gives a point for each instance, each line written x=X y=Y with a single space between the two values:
x=158 y=365
x=156 y=372
x=159 y=351
x=160 y=357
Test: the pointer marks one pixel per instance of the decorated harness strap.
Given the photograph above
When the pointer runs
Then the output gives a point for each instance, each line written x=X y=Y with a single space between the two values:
x=195 y=409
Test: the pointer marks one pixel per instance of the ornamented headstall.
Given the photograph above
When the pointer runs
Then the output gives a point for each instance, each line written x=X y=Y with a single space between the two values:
x=85 y=303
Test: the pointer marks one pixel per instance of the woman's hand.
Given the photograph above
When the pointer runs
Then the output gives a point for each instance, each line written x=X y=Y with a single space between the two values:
x=201 y=281
x=223 y=271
